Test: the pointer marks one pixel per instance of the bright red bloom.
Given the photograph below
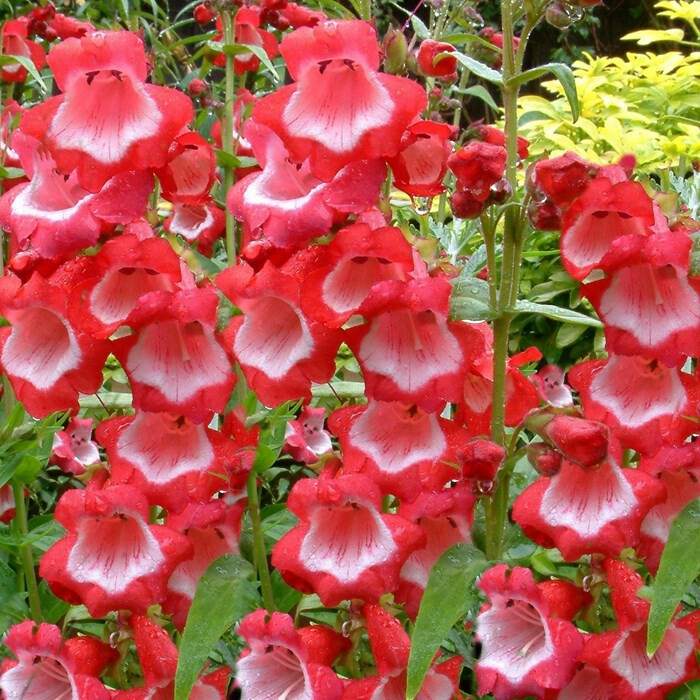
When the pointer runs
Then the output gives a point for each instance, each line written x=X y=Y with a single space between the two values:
x=581 y=441
x=55 y=216
x=607 y=222
x=497 y=137
x=344 y=547
x=428 y=64
x=213 y=529
x=642 y=400
x=288 y=203
x=526 y=647
x=409 y=351
x=562 y=179
x=47 y=360
x=111 y=558
x=421 y=164
x=340 y=109
x=294 y=15
x=199 y=224
x=401 y=447
x=349 y=266
x=584 y=512
x=170 y=459
x=446 y=519
x=391 y=646
x=123 y=271
x=108 y=121
x=287 y=663
x=620 y=655
x=158 y=656
x=174 y=360
x=477 y=166
x=280 y=350
x=48 y=667
x=190 y=171
x=15 y=43
x=247 y=30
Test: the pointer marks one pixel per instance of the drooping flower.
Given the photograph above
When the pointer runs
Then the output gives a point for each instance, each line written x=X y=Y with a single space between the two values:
x=643 y=401
x=391 y=646
x=339 y=109
x=174 y=360
x=111 y=558
x=170 y=459
x=621 y=656
x=287 y=663
x=48 y=361
x=477 y=166
x=280 y=350
x=526 y=647
x=55 y=216
x=344 y=547
x=48 y=667
x=108 y=120
x=584 y=511
x=288 y=203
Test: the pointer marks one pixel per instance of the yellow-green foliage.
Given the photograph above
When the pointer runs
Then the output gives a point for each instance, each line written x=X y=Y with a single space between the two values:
x=645 y=104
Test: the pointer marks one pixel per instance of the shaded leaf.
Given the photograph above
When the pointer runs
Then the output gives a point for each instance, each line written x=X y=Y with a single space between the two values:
x=557 y=313
x=225 y=593
x=562 y=73
x=680 y=564
x=449 y=595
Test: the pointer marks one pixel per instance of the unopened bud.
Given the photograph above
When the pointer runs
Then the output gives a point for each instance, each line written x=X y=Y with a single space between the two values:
x=558 y=16
x=395 y=50
x=545 y=459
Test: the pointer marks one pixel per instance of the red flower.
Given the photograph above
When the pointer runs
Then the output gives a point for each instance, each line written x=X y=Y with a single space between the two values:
x=340 y=109
x=73 y=449
x=477 y=166
x=526 y=648
x=445 y=67
x=15 y=43
x=108 y=121
x=286 y=663
x=48 y=667
x=344 y=547
x=111 y=558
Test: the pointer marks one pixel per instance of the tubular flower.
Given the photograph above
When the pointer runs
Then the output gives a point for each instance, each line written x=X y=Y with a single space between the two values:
x=108 y=120
x=339 y=109
x=526 y=647
x=287 y=663
x=48 y=667
x=111 y=558
x=344 y=547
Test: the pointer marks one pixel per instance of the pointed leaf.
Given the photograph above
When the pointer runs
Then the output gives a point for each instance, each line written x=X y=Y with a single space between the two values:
x=449 y=595
x=470 y=301
x=27 y=64
x=479 y=68
x=557 y=313
x=482 y=93
x=225 y=593
x=680 y=564
x=419 y=28
x=562 y=73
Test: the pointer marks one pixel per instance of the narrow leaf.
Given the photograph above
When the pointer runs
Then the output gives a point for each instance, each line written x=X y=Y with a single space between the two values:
x=562 y=73
x=479 y=68
x=448 y=596
x=482 y=93
x=225 y=593
x=470 y=301
x=27 y=64
x=419 y=28
x=557 y=313
x=680 y=564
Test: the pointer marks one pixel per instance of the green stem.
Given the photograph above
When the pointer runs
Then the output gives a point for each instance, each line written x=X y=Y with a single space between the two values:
x=227 y=133
x=25 y=552
x=259 y=552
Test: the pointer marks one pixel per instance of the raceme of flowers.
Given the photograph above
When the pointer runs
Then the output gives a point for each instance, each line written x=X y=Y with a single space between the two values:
x=321 y=265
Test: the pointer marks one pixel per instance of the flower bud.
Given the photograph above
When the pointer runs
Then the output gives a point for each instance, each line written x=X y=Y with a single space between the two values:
x=558 y=16
x=202 y=14
x=444 y=67
x=395 y=51
x=582 y=441
x=546 y=460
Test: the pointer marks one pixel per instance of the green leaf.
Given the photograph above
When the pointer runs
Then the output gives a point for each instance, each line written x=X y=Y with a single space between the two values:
x=448 y=596
x=680 y=564
x=482 y=93
x=239 y=49
x=25 y=63
x=557 y=313
x=562 y=73
x=479 y=68
x=225 y=593
x=470 y=300
x=419 y=28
